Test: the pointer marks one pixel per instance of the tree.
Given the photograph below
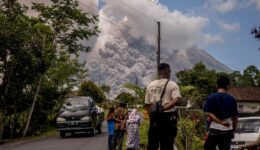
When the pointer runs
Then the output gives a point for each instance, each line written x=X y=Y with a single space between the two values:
x=256 y=32
x=26 y=48
x=71 y=27
x=192 y=94
x=235 y=78
x=63 y=74
x=126 y=97
x=70 y=24
x=140 y=92
x=250 y=76
x=29 y=46
x=89 y=88
x=105 y=88
x=200 y=77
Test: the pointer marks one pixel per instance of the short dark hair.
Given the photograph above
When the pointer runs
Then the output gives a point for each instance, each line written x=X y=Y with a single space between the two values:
x=223 y=82
x=163 y=66
x=122 y=104
x=111 y=110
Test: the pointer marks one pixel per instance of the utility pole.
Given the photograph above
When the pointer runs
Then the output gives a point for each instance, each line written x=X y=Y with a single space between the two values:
x=136 y=84
x=158 y=47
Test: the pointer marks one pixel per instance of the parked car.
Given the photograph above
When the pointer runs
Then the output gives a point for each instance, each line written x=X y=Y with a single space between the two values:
x=80 y=114
x=247 y=132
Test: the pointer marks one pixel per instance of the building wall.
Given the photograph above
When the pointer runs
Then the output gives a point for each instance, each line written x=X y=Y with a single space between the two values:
x=248 y=107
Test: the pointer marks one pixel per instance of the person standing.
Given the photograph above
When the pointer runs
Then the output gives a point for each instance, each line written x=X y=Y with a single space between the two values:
x=111 y=127
x=221 y=108
x=162 y=133
x=121 y=115
x=133 y=135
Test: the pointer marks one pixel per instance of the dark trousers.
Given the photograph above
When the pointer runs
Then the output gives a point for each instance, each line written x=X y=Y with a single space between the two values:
x=162 y=132
x=219 y=138
x=118 y=139
x=110 y=142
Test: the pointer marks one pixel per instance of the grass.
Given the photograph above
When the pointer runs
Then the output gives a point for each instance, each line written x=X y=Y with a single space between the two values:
x=48 y=132
x=144 y=133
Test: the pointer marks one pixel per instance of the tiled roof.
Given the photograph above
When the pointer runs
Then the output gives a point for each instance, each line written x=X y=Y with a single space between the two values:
x=247 y=94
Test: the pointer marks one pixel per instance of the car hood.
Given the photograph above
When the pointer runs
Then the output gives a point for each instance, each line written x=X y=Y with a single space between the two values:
x=77 y=113
x=245 y=137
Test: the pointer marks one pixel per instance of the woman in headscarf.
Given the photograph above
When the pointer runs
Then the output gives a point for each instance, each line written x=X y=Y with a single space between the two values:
x=133 y=135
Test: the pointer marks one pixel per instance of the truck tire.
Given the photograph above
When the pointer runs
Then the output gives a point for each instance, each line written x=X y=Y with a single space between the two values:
x=93 y=132
x=62 y=134
x=99 y=128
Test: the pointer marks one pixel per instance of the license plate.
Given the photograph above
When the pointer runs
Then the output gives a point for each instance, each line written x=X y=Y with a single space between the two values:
x=72 y=123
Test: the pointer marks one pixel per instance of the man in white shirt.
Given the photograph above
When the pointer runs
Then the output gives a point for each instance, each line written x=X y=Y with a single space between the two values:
x=163 y=131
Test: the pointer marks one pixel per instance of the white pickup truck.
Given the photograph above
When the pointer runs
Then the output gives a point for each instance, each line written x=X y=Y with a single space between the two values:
x=247 y=132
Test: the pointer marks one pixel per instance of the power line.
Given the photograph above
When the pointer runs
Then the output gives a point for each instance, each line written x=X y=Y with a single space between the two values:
x=93 y=6
x=135 y=10
x=135 y=30
x=116 y=23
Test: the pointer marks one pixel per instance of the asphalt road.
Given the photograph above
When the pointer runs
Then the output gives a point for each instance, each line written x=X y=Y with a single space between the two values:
x=75 y=142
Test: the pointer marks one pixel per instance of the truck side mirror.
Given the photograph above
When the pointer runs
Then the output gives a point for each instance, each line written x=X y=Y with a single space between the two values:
x=93 y=111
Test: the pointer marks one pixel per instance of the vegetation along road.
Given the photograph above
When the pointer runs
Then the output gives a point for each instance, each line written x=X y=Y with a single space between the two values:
x=75 y=142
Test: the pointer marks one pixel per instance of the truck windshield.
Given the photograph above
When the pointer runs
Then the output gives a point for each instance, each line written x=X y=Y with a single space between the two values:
x=248 y=126
x=75 y=105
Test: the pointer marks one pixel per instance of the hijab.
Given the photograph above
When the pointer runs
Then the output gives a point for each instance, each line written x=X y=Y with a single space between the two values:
x=133 y=117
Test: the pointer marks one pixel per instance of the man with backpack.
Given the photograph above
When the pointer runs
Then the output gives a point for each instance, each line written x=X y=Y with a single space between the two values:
x=161 y=97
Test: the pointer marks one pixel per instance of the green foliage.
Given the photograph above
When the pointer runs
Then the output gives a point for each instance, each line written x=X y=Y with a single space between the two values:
x=192 y=94
x=140 y=92
x=70 y=23
x=249 y=78
x=256 y=32
x=126 y=97
x=89 y=88
x=235 y=78
x=26 y=50
x=39 y=47
x=187 y=134
x=105 y=88
x=200 y=77
x=144 y=127
x=197 y=143
x=64 y=72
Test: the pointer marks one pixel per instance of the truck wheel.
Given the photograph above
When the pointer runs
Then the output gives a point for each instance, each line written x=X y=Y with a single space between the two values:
x=62 y=134
x=93 y=132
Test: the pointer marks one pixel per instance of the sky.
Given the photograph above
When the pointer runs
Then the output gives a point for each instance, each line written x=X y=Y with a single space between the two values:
x=232 y=21
x=220 y=27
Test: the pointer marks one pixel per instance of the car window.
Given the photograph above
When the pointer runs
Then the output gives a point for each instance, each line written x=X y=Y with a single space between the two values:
x=76 y=104
x=248 y=126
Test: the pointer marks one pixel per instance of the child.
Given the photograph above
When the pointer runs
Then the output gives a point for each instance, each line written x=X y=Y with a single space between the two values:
x=110 y=126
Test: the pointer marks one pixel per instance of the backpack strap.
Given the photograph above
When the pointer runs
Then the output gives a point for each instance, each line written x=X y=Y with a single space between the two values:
x=163 y=90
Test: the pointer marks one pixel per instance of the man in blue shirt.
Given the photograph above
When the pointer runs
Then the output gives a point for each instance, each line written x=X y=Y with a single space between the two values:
x=222 y=111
